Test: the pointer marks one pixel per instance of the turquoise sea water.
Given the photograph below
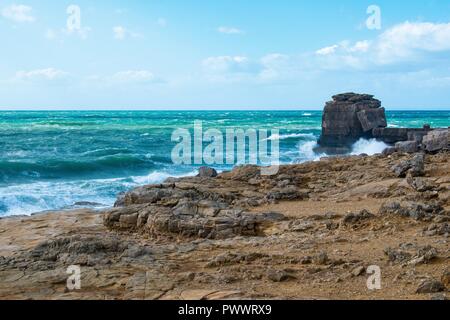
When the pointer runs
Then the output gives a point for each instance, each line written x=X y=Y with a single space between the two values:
x=52 y=160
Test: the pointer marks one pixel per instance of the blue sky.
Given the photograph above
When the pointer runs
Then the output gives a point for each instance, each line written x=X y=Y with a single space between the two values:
x=195 y=54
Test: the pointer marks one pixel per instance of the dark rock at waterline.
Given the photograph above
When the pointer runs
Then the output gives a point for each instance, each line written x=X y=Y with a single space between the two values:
x=207 y=172
x=394 y=135
x=407 y=146
x=348 y=118
x=436 y=140
x=87 y=204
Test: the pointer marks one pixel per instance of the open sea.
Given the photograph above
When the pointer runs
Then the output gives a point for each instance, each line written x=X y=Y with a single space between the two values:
x=67 y=159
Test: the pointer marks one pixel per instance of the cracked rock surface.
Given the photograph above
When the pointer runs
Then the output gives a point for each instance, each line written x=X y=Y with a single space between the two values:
x=310 y=232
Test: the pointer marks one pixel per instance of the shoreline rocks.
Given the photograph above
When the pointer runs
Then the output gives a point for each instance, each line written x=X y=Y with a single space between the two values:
x=229 y=234
x=350 y=117
x=347 y=118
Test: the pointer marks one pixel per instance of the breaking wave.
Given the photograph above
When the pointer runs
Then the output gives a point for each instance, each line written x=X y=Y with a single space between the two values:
x=369 y=147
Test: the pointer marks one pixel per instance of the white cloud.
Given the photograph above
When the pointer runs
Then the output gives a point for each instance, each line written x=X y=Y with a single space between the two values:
x=121 y=33
x=51 y=34
x=18 y=13
x=229 y=30
x=135 y=76
x=274 y=67
x=360 y=46
x=223 y=64
x=82 y=32
x=49 y=74
x=129 y=77
x=327 y=50
x=408 y=40
x=413 y=43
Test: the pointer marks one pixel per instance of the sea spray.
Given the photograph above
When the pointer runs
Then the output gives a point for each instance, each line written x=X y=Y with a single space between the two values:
x=369 y=147
x=307 y=151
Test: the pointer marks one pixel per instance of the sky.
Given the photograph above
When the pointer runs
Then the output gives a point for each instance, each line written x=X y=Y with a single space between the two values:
x=222 y=54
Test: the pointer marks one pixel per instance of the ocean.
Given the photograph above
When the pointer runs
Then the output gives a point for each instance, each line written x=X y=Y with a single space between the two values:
x=52 y=160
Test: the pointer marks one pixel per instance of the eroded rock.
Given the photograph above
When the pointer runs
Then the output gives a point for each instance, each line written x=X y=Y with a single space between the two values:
x=436 y=140
x=414 y=166
x=411 y=254
x=207 y=172
x=356 y=218
x=430 y=286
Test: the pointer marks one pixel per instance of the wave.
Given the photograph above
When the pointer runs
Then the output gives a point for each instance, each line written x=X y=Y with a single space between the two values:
x=9 y=170
x=158 y=177
x=290 y=136
x=369 y=147
x=97 y=193
x=307 y=151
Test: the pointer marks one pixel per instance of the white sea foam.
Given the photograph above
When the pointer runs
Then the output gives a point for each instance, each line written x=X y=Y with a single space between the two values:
x=158 y=177
x=369 y=147
x=290 y=136
x=307 y=151
x=44 y=196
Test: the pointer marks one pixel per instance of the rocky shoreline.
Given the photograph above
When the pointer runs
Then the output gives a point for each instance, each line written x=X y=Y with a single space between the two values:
x=310 y=232
x=350 y=117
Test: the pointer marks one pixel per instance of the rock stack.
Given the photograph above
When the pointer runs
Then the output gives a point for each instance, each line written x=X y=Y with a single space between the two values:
x=348 y=118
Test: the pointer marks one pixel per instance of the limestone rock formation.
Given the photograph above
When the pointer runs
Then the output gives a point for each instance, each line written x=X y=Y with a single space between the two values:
x=436 y=140
x=352 y=116
x=207 y=172
x=349 y=117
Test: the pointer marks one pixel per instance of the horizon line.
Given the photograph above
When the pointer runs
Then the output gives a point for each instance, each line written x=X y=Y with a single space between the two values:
x=175 y=109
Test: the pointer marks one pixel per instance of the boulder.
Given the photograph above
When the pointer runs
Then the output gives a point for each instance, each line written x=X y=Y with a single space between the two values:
x=446 y=279
x=436 y=140
x=414 y=166
x=415 y=210
x=207 y=172
x=430 y=286
x=279 y=275
x=407 y=146
x=355 y=218
x=421 y=184
x=389 y=151
x=394 y=135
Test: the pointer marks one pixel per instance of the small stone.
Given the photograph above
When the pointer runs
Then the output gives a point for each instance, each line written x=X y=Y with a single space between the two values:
x=279 y=275
x=354 y=218
x=439 y=297
x=446 y=279
x=321 y=259
x=430 y=286
x=358 y=271
x=420 y=184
